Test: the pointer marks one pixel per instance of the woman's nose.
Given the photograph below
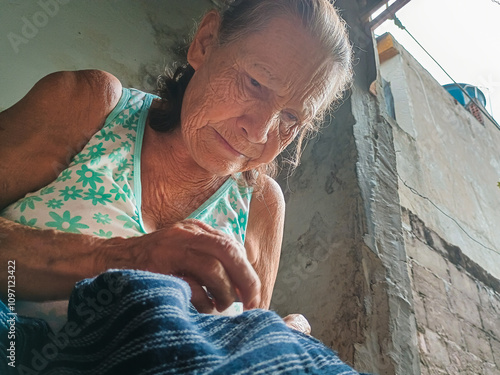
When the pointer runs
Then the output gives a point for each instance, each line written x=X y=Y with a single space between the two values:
x=256 y=125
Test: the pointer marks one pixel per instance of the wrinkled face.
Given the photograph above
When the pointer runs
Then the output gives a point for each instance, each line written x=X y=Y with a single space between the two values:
x=248 y=99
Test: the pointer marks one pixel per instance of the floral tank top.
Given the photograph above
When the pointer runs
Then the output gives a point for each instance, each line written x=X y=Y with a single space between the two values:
x=100 y=192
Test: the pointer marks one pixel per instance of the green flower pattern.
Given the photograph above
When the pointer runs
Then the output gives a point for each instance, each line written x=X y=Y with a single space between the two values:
x=28 y=202
x=104 y=234
x=97 y=197
x=47 y=190
x=95 y=194
x=119 y=193
x=65 y=175
x=95 y=153
x=116 y=156
x=126 y=146
x=221 y=206
x=102 y=218
x=22 y=220
x=55 y=203
x=234 y=205
x=66 y=223
x=70 y=193
x=107 y=136
x=89 y=177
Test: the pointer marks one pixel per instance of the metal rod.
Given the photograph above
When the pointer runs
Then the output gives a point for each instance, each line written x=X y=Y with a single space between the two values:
x=386 y=14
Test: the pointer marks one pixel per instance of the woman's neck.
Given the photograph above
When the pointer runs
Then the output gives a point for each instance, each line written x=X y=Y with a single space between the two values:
x=173 y=185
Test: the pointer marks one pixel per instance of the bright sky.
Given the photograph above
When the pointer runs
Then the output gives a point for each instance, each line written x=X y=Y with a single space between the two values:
x=462 y=35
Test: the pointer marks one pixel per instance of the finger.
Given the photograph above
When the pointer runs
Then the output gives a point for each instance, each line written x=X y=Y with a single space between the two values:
x=199 y=297
x=232 y=255
x=209 y=272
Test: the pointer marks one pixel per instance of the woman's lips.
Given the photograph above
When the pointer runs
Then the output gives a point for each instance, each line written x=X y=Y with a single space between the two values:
x=227 y=145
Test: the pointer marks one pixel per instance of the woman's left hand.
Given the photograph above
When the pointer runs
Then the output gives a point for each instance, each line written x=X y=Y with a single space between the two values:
x=298 y=322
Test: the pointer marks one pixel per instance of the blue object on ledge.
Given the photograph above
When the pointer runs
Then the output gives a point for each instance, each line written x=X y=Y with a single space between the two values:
x=459 y=95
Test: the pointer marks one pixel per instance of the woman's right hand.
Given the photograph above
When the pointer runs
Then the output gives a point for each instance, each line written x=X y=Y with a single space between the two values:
x=195 y=252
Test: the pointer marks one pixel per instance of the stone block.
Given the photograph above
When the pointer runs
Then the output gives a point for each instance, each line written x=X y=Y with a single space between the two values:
x=437 y=371
x=437 y=353
x=489 y=298
x=422 y=345
x=491 y=320
x=463 y=362
x=490 y=369
x=420 y=315
x=442 y=321
x=461 y=281
x=477 y=342
x=424 y=370
x=428 y=284
x=428 y=258
x=495 y=348
x=464 y=307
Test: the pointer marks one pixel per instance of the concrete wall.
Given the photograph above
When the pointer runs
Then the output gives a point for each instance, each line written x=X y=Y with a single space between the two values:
x=448 y=163
x=448 y=167
x=457 y=305
x=133 y=40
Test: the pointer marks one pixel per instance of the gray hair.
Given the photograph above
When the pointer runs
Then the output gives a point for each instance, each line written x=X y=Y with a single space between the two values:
x=319 y=17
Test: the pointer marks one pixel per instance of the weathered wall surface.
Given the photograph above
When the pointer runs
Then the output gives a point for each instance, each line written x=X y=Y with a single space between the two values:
x=133 y=40
x=448 y=163
x=457 y=305
x=448 y=167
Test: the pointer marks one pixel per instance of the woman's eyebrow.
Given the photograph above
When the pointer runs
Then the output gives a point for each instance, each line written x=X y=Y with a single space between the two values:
x=269 y=76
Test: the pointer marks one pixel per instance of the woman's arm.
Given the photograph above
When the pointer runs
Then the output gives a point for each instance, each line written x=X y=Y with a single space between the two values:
x=265 y=235
x=48 y=262
x=263 y=244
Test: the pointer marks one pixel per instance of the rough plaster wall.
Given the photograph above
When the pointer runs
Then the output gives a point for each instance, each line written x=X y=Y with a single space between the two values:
x=448 y=168
x=133 y=40
x=320 y=266
x=449 y=162
x=457 y=305
x=343 y=262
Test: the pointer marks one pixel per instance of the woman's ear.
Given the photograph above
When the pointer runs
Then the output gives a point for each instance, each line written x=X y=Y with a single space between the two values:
x=204 y=39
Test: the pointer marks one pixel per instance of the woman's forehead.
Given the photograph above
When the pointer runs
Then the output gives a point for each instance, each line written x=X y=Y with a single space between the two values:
x=287 y=59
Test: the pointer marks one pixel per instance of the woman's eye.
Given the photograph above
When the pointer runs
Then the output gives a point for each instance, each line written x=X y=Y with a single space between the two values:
x=288 y=122
x=254 y=82
x=289 y=119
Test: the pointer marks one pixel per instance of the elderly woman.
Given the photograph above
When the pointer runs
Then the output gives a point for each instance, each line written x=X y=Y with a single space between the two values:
x=96 y=176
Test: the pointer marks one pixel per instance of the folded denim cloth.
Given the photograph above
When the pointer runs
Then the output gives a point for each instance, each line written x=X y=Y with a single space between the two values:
x=136 y=322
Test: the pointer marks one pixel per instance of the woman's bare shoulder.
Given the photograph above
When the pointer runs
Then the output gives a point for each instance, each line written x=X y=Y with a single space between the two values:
x=63 y=100
x=50 y=125
x=268 y=198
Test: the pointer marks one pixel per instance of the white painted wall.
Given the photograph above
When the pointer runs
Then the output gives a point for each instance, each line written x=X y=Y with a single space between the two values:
x=447 y=156
x=133 y=39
